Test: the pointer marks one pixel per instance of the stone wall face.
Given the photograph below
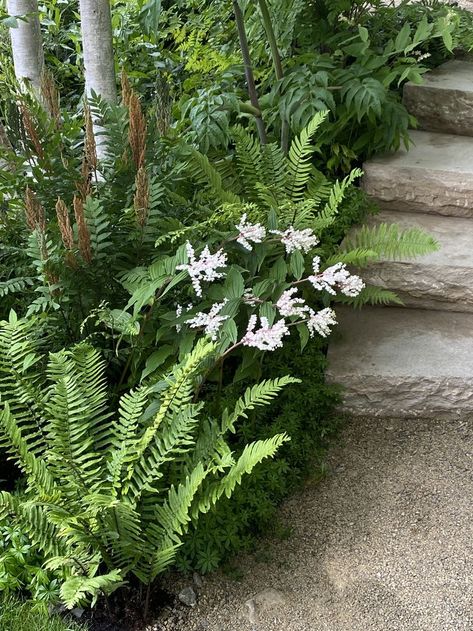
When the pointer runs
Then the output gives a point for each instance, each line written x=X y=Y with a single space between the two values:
x=467 y=4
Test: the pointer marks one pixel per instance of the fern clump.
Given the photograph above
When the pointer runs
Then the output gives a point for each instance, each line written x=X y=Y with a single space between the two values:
x=112 y=492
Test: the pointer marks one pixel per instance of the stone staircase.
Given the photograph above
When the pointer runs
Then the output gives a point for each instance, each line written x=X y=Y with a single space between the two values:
x=418 y=360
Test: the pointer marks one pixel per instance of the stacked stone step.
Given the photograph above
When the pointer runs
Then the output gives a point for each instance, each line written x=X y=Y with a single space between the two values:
x=418 y=360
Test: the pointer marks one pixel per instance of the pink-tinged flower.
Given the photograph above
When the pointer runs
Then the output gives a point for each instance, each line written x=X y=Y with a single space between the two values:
x=211 y=322
x=204 y=268
x=335 y=277
x=321 y=322
x=266 y=338
x=294 y=240
x=249 y=233
x=288 y=305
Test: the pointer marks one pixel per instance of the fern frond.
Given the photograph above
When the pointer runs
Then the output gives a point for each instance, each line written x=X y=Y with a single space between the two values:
x=207 y=175
x=77 y=411
x=175 y=438
x=76 y=588
x=299 y=158
x=99 y=228
x=20 y=379
x=358 y=257
x=40 y=529
x=35 y=468
x=260 y=394
x=124 y=433
x=274 y=169
x=15 y=285
x=253 y=454
x=391 y=241
x=172 y=520
x=9 y=505
x=327 y=215
x=249 y=160
x=178 y=394
x=371 y=295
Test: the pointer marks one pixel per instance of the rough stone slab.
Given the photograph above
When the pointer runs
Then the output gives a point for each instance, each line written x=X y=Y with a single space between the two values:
x=434 y=176
x=444 y=101
x=403 y=362
x=441 y=280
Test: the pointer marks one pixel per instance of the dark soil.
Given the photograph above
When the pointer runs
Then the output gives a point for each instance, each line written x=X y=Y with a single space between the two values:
x=124 y=610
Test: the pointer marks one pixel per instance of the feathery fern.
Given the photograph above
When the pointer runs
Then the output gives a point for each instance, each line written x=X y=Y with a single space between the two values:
x=106 y=499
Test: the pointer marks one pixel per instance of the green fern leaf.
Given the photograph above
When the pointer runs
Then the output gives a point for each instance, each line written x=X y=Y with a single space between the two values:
x=391 y=241
x=299 y=158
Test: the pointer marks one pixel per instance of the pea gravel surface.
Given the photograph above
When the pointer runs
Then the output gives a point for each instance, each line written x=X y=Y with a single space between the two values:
x=384 y=542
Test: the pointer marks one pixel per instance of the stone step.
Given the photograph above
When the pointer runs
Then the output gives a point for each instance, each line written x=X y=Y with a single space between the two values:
x=440 y=280
x=444 y=101
x=403 y=362
x=434 y=176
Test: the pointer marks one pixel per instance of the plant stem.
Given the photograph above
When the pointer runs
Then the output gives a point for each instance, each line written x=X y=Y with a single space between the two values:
x=268 y=27
x=250 y=79
x=278 y=70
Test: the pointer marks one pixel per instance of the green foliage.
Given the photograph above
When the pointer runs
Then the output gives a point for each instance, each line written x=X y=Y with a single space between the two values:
x=107 y=498
x=17 y=615
x=389 y=241
x=305 y=411
x=136 y=443
x=21 y=571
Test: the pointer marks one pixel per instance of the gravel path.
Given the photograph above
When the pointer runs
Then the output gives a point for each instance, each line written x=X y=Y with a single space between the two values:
x=384 y=543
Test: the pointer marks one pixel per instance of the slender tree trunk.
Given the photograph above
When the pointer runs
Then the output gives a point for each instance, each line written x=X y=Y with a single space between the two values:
x=99 y=62
x=27 y=44
x=250 y=79
x=278 y=70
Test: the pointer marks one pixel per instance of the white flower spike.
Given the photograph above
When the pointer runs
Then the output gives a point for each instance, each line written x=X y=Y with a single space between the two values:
x=249 y=233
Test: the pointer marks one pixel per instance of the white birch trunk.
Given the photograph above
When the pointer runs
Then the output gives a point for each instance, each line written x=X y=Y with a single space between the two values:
x=99 y=63
x=27 y=44
x=96 y=24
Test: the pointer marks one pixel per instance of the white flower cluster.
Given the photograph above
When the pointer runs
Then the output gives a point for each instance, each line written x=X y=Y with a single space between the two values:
x=249 y=233
x=335 y=277
x=321 y=321
x=179 y=311
x=211 y=322
x=317 y=322
x=204 y=268
x=288 y=305
x=266 y=338
x=294 y=239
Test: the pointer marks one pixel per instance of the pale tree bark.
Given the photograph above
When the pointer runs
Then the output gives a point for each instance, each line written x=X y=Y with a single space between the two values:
x=27 y=44
x=99 y=64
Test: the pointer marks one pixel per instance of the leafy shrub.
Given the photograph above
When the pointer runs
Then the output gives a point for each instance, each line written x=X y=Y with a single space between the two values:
x=80 y=274
x=107 y=499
